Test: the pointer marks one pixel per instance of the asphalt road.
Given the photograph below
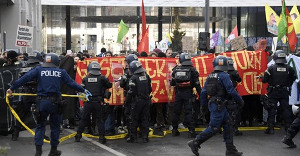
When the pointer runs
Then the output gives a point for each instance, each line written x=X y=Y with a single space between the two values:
x=252 y=143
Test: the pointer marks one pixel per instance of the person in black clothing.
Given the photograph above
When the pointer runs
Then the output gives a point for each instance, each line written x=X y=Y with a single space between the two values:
x=139 y=99
x=280 y=78
x=233 y=108
x=294 y=127
x=97 y=84
x=184 y=77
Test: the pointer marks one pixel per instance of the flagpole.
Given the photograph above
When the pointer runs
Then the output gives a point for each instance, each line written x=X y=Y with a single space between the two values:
x=206 y=15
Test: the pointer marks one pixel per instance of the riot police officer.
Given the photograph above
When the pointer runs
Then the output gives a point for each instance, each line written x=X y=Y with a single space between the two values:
x=184 y=77
x=293 y=129
x=138 y=97
x=49 y=79
x=97 y=84
x=233 y=108
x=216 y=88
x=23 y=109
x=124 y=83
x=280 y=78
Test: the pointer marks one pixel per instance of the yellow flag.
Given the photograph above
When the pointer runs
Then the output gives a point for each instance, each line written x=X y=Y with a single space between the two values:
x=295 y=18
x=272 y=20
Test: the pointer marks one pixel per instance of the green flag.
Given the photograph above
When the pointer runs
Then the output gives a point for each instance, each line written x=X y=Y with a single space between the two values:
x=123 y=29
x=282 y=26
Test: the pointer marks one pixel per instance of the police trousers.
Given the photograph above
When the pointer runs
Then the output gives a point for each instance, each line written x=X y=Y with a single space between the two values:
x=294 y=127
x=98 y=110
x=139 y=116
x=183 y=101
x=287 y=113
x=217 y=119
x=47 y=107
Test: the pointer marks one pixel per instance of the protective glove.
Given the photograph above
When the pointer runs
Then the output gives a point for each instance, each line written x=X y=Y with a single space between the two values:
x=87 y=94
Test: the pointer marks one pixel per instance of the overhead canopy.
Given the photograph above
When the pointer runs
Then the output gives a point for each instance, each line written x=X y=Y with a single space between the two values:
x=171 y=3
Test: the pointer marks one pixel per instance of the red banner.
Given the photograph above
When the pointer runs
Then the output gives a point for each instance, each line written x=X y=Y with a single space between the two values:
x=249 y=64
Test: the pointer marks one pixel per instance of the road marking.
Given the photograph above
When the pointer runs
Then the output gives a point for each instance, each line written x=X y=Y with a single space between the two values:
x=99 y=144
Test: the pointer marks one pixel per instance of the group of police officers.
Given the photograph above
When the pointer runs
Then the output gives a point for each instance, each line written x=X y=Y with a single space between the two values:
x=219 y=95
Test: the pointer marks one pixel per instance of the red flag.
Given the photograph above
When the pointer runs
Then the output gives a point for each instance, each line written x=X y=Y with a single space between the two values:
x=232 y=35
x=144 y=44
x=143 y=20
x=291 y=34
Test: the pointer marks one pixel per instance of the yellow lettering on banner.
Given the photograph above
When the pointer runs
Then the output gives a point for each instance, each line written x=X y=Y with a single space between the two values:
x=157 y=82
x=117 y=93
x=255 y=84
x=237 y=59
x=149 y=68
x=170 y=90
x=160 y=67
x=203 y=63
x=258 y=61
x=202 y=80
x=108 y=69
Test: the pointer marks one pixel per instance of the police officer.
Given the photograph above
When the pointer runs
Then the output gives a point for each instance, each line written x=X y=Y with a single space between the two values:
x=293 y=129
x=280 y=78
x=233 y=108
x=216 y=88
x=124 y=83
x=97 y=84
x=23 y=109
x=49 y=79
x=138 y=97
x=184 y=77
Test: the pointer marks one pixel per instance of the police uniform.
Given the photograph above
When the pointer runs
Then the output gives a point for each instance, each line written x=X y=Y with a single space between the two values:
x=124 y=83
x=49 y=79
x=138 y=97
x=97 y=84
x=184 y=77
x=217 y=87
x=294 y=127
x=233 y=108
x=280 y=78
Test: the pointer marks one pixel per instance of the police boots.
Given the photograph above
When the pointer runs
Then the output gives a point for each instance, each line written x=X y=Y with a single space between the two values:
x=175 y=132
x=78 y=136
x=195 y=146
x=232 y=151
x=288 y=141
x=269 y=130
x=15 y=135
x=192 y=134
x=38 y=151
x=54 y=151
x=102 y=139
x=132 y=139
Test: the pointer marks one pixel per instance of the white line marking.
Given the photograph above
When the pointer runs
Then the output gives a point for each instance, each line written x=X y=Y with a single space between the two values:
x=99 y=144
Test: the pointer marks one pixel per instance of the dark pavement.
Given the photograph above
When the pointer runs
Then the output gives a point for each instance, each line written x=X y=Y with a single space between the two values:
x=252 y=143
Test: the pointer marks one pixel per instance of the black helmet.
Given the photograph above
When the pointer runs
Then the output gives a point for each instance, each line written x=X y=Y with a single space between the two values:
x=185 y=59
x=94 y=68
x=34 y=57
x=220 y=63
x=136 y=67
x=279 y=56
x=131 y=57
x=230 y=63
x=51 y=60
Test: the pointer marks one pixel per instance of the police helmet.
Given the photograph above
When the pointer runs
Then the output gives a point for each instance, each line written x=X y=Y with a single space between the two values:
x=295 y=109
x=279 y=56
x=51 y=60
x=220 y=63
x=34 y=57
x=230 y=63
x=135 y=67
x=185 y=59
x=131 y=57
x=94 y=68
